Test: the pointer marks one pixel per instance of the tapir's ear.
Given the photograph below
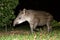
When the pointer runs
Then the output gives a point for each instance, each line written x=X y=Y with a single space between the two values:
x=24 y=11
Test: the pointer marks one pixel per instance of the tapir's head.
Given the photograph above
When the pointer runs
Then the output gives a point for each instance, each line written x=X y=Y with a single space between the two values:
x=20 y=18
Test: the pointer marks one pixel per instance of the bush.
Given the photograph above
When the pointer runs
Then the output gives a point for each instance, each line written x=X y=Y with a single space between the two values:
x=6 y=12
x=55 y=23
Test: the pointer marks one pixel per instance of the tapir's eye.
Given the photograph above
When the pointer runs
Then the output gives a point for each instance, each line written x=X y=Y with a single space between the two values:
x=19 y=18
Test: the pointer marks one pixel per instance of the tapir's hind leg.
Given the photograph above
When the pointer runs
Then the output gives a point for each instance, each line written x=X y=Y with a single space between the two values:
x=49 y=27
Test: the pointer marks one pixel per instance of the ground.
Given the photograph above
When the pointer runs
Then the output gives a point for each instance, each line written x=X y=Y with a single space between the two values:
x=23 y=34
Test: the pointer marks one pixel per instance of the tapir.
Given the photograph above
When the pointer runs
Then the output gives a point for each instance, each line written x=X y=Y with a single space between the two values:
x=34 y=18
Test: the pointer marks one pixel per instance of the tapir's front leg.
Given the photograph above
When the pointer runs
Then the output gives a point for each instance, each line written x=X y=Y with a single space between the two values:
x=31 y=27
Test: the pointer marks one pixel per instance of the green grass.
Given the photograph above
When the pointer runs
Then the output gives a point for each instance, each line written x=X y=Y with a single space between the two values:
x=38 y=36
x=20 y=34
x=42 y=35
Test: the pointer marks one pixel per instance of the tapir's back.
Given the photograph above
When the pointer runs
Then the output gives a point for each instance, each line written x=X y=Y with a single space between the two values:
x=42 y=16
x=40 y=13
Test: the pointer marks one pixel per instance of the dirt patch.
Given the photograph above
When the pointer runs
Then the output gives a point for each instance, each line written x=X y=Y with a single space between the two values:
x=14 y=32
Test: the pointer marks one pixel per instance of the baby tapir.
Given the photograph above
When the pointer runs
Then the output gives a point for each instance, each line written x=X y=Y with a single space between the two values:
x=34 y=18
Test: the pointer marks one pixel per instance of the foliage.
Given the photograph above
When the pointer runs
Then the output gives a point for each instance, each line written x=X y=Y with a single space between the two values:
x=6 y=12
x=55 y=23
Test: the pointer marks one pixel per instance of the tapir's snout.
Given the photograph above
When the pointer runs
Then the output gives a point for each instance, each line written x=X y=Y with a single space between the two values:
x=15 y=23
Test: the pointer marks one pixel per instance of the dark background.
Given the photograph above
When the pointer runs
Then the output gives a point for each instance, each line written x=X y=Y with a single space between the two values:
x=50 y=6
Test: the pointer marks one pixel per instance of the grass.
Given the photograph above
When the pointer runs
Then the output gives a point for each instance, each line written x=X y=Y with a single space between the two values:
x=25 y=34
x=35 y=36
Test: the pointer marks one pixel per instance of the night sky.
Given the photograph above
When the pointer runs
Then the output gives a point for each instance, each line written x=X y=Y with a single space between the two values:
x=52 y=7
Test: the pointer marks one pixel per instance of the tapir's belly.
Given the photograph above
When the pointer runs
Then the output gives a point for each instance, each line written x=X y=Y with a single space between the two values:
x=42 y=22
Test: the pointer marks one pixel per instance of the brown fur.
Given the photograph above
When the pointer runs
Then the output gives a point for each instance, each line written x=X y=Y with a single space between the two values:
x=35 y=18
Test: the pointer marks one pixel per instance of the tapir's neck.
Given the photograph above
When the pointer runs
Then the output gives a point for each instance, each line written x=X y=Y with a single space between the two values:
x=28 y=18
